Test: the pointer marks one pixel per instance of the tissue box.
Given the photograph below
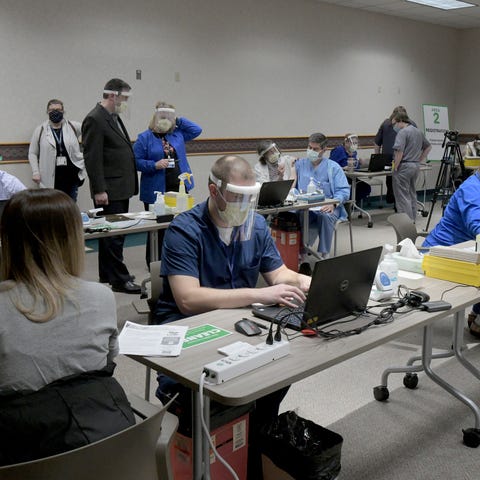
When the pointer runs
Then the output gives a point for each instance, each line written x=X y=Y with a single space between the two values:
x=408 y=264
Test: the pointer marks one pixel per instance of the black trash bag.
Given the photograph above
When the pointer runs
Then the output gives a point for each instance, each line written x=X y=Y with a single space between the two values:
x=302 y=448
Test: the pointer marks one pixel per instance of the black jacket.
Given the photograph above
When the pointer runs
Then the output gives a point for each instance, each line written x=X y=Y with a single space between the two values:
x=64 y=415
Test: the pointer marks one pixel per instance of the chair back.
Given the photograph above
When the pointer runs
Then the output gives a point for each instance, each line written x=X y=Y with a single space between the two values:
x=403 y=226
x=129 y=454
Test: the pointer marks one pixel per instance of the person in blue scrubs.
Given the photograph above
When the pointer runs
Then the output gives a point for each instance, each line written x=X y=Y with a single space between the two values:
x=348 y=152
x=212 y=257
x=328 y=176
x=460 y=223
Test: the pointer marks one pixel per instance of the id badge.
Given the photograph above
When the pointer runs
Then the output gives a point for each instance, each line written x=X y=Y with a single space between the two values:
x=171 y=163
x=61 y=161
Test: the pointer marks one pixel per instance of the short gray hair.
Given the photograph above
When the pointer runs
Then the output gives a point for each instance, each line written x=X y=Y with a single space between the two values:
x=319 y=138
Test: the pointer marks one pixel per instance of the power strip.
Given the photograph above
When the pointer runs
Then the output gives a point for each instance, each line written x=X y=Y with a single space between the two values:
x=244 y=360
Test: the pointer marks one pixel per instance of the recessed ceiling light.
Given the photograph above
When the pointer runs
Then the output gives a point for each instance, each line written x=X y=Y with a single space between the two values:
x=443 y=4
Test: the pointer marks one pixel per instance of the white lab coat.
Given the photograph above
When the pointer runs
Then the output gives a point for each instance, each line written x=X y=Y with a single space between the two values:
x=42 y=153
x=261 y=170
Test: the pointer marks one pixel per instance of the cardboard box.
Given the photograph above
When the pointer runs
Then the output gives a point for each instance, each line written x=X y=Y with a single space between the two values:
x=451 y=270
x=231 y=441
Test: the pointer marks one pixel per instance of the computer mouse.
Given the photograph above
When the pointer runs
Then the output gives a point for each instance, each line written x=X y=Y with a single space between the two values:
x=247 y=327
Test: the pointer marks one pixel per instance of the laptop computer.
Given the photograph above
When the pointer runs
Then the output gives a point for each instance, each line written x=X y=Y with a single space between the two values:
x=273 y=194
x=340 y=286
x=378 y=162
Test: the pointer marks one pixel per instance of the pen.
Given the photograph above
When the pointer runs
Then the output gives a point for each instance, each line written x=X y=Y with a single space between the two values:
x=256 y=323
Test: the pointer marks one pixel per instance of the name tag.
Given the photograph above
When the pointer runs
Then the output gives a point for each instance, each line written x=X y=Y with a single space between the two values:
x=61 y=161
x=171 y=163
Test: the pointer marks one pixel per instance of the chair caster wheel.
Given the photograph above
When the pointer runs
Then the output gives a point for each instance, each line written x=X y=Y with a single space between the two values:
x=471 y=437
x=370 y=224
x=424 y=214
x=143 y=295
x=381 y=393
x=410 y=380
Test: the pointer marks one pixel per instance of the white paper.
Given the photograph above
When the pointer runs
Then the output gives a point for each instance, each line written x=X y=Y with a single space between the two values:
x=152 y=340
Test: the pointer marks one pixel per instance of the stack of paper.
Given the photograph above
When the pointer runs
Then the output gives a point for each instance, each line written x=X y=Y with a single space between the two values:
x=463 y=254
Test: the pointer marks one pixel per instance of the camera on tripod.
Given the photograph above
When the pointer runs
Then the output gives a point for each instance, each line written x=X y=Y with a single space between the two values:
x=452 y=135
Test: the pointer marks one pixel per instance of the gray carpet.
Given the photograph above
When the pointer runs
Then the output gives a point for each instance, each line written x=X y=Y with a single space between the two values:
x=416 y=434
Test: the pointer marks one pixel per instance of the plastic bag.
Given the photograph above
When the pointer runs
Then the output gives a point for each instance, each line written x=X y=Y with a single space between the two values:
x=302 y=448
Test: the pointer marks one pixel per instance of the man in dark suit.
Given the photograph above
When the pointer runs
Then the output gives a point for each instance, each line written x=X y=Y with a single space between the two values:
x=111 y=169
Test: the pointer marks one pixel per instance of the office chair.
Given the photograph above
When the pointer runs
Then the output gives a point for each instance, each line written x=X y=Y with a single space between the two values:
x=141 y=451
x=348 y=220
x=404 y=227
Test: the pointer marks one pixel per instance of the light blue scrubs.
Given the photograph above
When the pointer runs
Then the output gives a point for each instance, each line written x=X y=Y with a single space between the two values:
x=328 y=176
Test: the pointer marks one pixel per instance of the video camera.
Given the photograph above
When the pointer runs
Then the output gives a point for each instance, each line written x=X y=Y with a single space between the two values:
x=451 y=135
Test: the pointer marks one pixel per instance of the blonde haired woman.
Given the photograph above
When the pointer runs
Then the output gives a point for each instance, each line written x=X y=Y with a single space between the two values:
x=54 y=326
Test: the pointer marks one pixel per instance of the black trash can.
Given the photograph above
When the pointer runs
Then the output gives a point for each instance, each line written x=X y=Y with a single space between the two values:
x=301 y=448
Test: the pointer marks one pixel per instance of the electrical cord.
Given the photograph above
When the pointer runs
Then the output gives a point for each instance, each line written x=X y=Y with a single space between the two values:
x=207 y=433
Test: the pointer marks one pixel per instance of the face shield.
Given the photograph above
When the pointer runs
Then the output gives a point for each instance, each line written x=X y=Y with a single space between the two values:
x=236 y=207
x=271 y=154
x=122 y=103
x=476 y=144
x=352 y=143
x=164 y=120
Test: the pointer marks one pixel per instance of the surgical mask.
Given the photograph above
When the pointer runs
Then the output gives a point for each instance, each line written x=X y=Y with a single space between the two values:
x=273 y=158
x=55 y=116
x=163 y=125
x=121 y=107
x=312 y=155
x=397 y=128
x=235 y=214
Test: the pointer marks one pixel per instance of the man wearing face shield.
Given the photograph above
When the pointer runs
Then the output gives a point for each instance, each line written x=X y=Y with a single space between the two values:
x=346 y=155
x=161 y=156
x=213 y=254
x=212 y=257
x=272 y=165
x=328 y=176
x=112 y=172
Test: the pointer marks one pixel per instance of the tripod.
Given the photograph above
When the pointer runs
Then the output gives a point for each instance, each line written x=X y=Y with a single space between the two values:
x=448 y=179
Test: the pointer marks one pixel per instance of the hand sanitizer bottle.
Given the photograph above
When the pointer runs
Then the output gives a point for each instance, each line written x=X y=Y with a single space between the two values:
x=390 y=267
x=159 y=205
x=311 y=188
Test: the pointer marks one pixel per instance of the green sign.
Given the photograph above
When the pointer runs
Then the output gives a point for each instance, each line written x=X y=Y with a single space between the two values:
x=203 y=334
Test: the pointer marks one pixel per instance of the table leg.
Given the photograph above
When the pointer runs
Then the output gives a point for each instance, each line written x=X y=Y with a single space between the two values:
x=197 y=436
x=356 y=207
x=426 y=362
x=153 y=245
x=458 y=343
x=305 y=228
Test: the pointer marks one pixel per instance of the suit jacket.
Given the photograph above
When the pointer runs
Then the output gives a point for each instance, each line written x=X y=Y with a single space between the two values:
x=108 y=155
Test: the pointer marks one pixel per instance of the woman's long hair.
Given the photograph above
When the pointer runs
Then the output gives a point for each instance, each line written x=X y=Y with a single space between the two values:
x=42 y=248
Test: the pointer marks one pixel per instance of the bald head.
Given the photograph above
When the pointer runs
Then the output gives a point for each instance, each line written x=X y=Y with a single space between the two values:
x=233 y=169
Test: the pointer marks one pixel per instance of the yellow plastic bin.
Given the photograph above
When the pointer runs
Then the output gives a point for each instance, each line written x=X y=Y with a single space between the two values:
x=171 y=200
x=472 y=162
x=452 y=270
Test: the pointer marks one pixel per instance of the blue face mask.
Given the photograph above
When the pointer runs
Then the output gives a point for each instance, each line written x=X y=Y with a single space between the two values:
x=312 y=155
x=396 y=127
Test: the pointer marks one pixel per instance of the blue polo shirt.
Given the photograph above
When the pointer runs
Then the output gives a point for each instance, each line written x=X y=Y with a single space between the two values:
x=193 y=247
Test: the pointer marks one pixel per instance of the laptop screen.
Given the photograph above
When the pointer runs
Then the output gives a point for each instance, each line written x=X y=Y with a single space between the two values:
x=273 y=194
x=340 y=286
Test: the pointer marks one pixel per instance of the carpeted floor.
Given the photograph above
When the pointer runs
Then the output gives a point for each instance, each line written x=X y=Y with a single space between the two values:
x=416 y=434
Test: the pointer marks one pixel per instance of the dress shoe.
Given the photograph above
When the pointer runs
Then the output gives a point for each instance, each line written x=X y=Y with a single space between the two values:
x=127 y=287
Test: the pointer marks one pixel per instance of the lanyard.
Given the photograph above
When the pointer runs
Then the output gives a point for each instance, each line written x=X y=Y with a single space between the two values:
x=58 y=138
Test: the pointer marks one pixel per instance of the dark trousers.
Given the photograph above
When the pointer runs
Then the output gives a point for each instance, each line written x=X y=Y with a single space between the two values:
x=111 y=267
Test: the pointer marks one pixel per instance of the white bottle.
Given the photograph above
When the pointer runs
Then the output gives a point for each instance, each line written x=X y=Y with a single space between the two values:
x=159 y=205
x=311 y=188
x=390 y=267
